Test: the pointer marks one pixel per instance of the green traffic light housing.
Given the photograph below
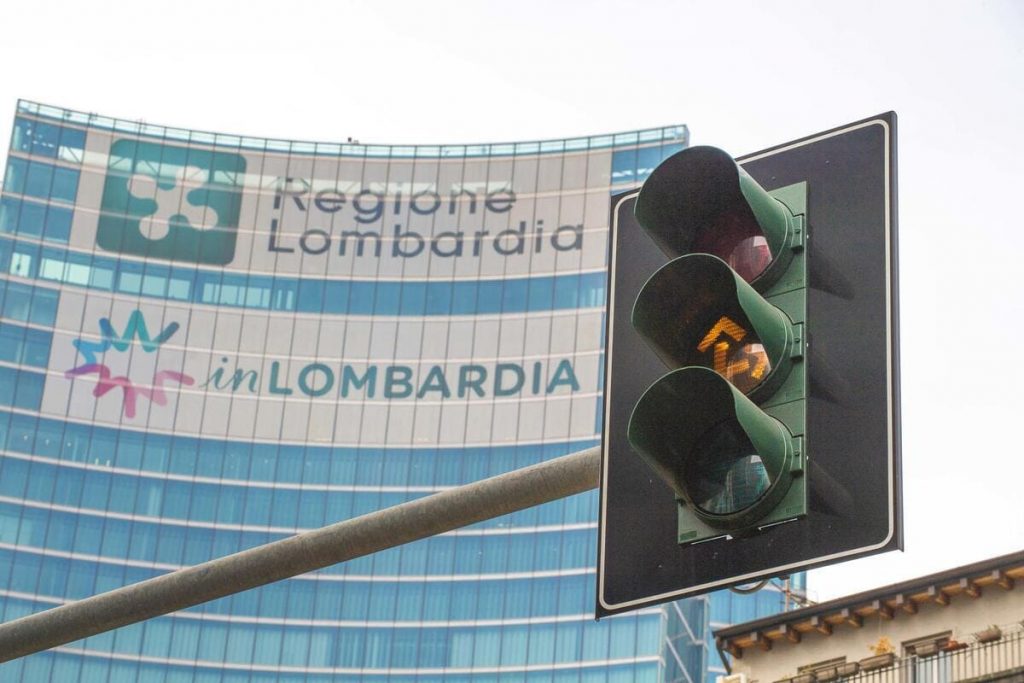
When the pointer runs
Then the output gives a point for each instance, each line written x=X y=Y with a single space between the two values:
x=701 y=201
x=724 y=428
x=733 y=467
x=696 y=310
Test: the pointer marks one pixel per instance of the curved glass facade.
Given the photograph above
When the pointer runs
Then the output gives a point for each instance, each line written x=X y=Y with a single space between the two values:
x=209 y=342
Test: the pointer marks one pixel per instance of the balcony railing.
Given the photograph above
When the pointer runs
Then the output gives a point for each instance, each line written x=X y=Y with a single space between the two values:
x=1001 y=659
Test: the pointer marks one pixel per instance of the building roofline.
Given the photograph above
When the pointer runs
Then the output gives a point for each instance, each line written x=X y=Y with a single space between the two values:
x=671 y=134
x=885 y=601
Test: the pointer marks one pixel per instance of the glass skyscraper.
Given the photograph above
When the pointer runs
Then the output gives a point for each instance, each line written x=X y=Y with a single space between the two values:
x=209 y=342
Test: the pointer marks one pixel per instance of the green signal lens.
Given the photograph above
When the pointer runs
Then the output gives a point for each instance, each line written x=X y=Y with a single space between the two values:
x=725 y=475
x=727 y=461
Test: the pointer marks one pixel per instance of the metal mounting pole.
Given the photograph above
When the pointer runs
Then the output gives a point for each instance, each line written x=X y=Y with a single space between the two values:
x=306 y=552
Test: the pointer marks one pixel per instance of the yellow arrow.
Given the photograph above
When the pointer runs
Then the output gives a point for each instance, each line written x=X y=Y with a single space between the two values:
x=761 y=364
x=725 y=325
x=731 y=369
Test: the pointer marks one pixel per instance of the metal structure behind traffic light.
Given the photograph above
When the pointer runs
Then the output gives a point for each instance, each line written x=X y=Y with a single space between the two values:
x=725 y=427
x=751 y=416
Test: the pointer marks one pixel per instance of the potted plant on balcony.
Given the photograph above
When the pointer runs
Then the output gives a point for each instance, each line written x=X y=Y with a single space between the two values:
x=884 y=655
x=988 y=635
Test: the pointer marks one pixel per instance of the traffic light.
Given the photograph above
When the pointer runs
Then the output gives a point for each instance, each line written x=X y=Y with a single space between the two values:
x=751 y=383
x=724 y=428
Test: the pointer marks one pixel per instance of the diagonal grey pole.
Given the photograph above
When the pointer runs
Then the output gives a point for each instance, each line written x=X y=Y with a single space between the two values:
x=303 y=553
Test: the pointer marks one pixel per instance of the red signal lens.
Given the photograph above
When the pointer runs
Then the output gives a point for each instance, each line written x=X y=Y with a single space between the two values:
x=737 y=239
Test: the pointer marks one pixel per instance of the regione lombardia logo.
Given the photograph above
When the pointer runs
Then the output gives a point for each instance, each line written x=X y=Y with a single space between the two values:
x=96 y=362
x=170 y=202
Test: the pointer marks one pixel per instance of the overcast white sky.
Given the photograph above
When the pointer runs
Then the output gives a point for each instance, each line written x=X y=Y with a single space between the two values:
x=742 y=75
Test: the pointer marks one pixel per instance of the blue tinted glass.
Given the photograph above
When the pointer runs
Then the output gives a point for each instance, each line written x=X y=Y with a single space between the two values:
x=21 y=139
x=566 y=292
x=8 y=385
x=311 y=296
x=30 y=390
x=463 y=299
x=335 y=297
x=44 y=306
x=57 y=224
x=11 y=338
x=358 y=297
x=623 y=166
x=489 y=296
x=32 y=219
x=65 y=184
x=73 y=138
x=44 y=139
x=414 y=295
x=388 y=297
x=9 y=210
x=647 y=160
x=541 y=293
x=14 y=179
x=28 y=346
x=514 y=298
x=592 y=289
x=669 y=150
x=438 y=298
x=38 y=179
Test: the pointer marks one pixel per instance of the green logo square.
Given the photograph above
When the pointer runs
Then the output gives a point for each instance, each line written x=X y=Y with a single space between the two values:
x=169 y=202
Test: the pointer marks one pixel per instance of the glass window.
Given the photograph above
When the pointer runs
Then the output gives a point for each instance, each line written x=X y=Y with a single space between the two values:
x=38 y=179
x=239 y=643
x=514 y=298
x=36 y=137
x=21 y=138
x=101 y=278
x=9 y=211
x=21 y=263
x=21 y=388
x=489 y=296
x=413 y=296
x=17 y=302
x=647 y=160
x=157 y=637
x=624 y=166
x=31 y=219
x=178 y=289
x=154 y=285
x=44 y=306
x=310 y=297
x=14 y=179
x=58 y=224
x=11 y=337
x=388 y=296
x=37 y=348
x=213 y=641
x=129 y=450
x=335 y=298
x=72 y=144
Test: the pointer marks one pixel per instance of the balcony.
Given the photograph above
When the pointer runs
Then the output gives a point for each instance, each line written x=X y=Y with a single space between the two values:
x=999 y=659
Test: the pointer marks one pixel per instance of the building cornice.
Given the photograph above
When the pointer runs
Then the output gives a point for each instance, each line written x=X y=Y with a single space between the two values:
x=905 y=598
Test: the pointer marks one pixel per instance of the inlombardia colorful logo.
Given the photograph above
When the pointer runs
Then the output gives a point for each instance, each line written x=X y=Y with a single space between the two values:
x=107 y=381
x=170 y=202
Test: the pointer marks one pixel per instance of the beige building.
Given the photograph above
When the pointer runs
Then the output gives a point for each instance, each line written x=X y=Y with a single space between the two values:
x=963 y=624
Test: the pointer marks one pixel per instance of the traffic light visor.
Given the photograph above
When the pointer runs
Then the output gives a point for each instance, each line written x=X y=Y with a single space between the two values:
x=695 y=310
x=700 y=201
x=724 y=456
